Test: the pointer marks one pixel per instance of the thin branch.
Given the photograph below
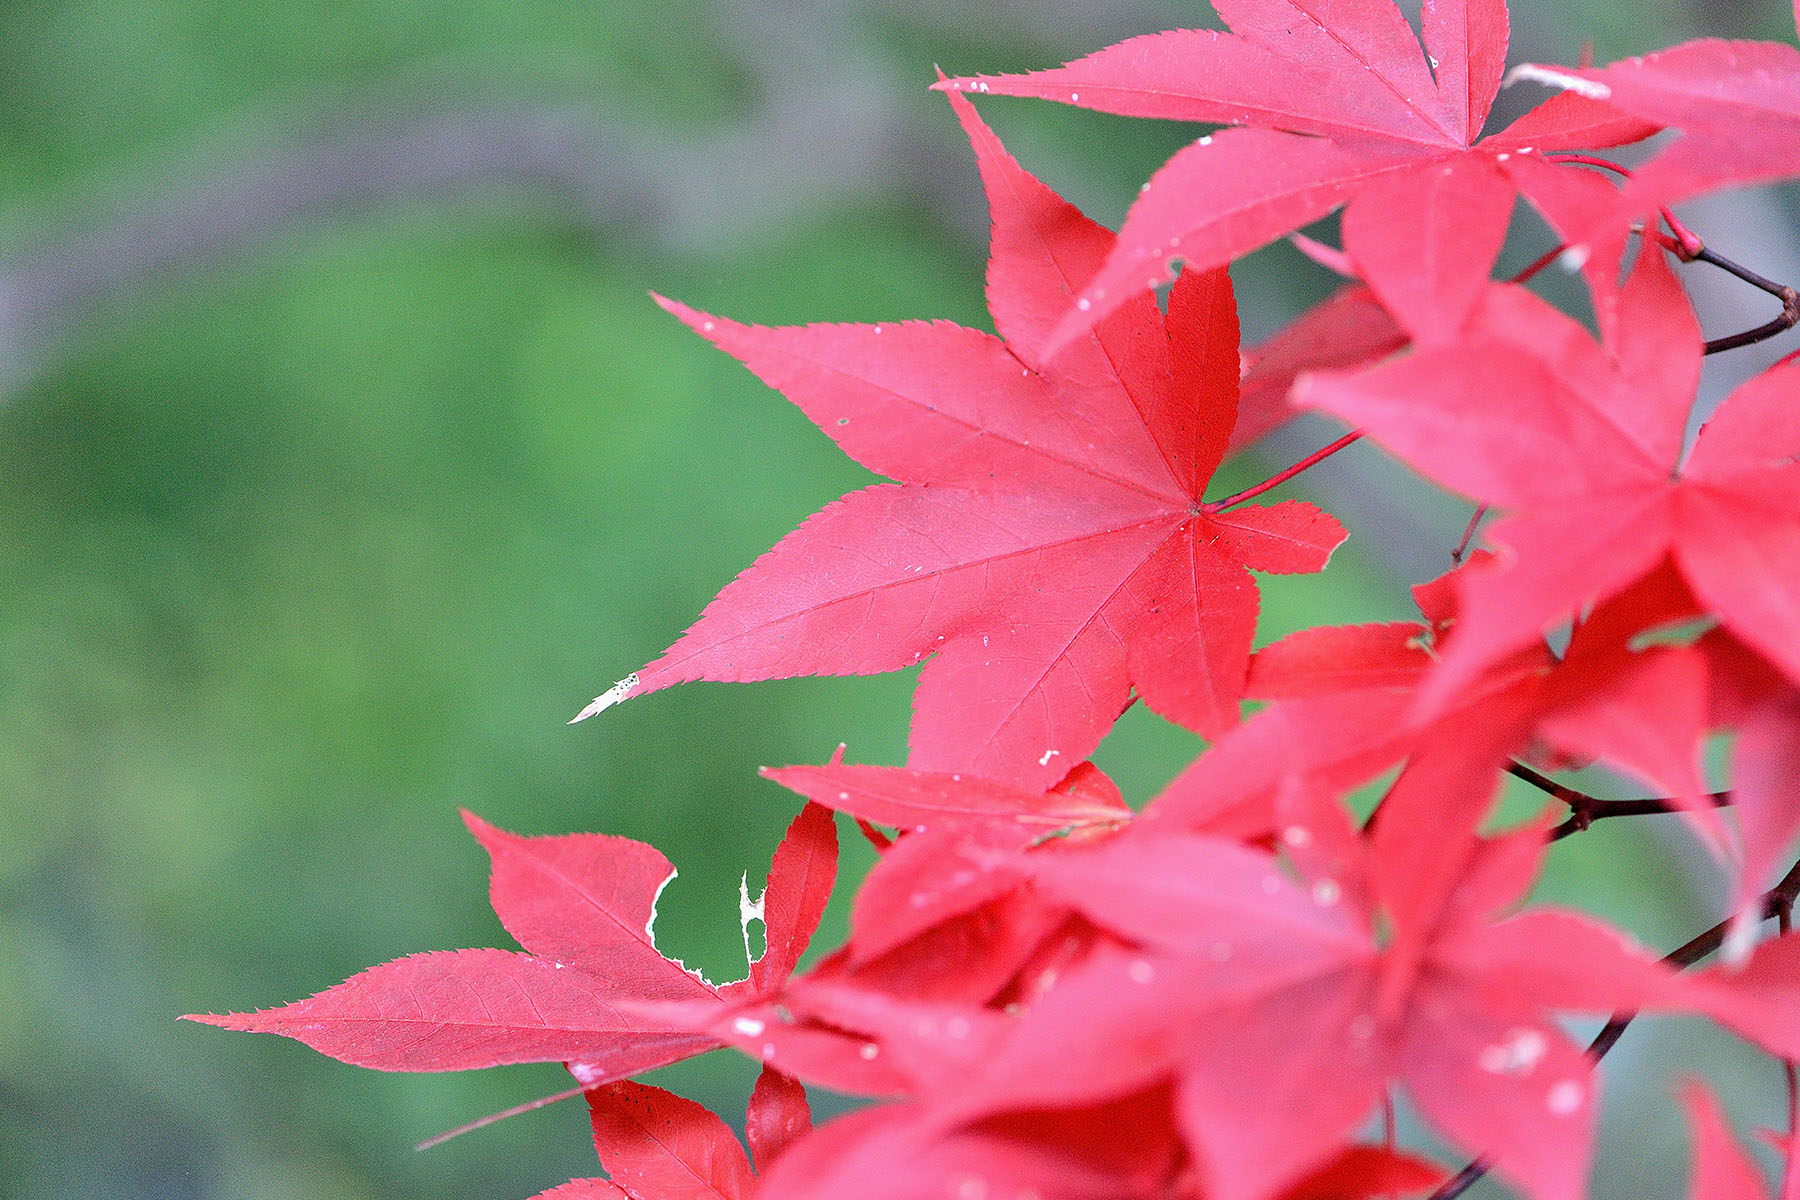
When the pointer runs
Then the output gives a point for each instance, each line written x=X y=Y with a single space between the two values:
x=1584 y=809
x=1688 y=246
x=1776 y=901
x=1310 y=461
x=1789 y=297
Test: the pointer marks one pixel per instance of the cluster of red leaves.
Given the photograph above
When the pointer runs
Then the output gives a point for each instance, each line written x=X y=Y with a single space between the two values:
x=1055 y=996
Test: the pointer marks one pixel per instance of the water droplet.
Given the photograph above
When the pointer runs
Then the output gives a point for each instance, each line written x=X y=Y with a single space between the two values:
x=878 y=329
x=709 y=326
x=749 y=1026
x=843 y=420
x=869 y=1051
x=1565 y=1098
x=1048 y=755
x=1327 y=892
x=843 y=796
x=1432 y=59
x=1084 y=304
x=1074 y=97
x=1297 y=836
x=1140 y=971
x=1522 y=1050
x=1205 y=141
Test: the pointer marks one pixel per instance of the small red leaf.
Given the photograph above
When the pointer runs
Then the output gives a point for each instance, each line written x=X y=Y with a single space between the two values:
x=777 y=1116
x=660 y=1146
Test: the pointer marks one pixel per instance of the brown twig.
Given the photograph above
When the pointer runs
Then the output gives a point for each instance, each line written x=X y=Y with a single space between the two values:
x=1584 y=809
x=1789 y=297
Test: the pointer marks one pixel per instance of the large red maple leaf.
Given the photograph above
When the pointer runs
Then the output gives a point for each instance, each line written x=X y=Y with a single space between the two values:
x=1588 y=451
x=1048 y=543
x=582 y=905
x=1335 y=103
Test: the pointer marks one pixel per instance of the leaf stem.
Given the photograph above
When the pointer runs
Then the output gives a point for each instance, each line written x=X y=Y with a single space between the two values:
x=1776 y=900
x=1462 y=548
x=1274 y=481
x=1543 y=260
x=503 y=1114
x=1688 y=243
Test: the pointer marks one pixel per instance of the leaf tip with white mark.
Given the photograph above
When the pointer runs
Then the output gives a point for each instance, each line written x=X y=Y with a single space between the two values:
x=1551 y=77
x=617 y=692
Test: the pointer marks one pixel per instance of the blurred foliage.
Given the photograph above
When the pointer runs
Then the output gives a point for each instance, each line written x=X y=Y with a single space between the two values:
x=330 y=492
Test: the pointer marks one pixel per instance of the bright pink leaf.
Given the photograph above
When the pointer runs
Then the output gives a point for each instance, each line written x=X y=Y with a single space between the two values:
x=1336 y=102
x=1721 y=1169
x=1588 y=449
x=919 y=799
x=1348 y=329
x=1048 y=544
x=1737 y=104
x=594 y=993
x=459 y=1009
x=933 y=877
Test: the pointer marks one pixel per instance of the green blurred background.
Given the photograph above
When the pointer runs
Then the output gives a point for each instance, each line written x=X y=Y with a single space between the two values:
x=343 y=457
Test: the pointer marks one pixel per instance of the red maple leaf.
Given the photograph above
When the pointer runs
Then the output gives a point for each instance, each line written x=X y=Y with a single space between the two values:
x=1347 y=329
x=1314 y=994
x=1049 y=543
x=1588 y=453
x=1335 y=103
x=1720 y=1169
x=1752 y=698
x=656 y=1145
x=1342 y=698
x=1737 y=104
x=582 y=905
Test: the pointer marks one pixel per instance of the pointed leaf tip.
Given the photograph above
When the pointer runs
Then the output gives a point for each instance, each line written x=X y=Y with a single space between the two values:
x=617 y=692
